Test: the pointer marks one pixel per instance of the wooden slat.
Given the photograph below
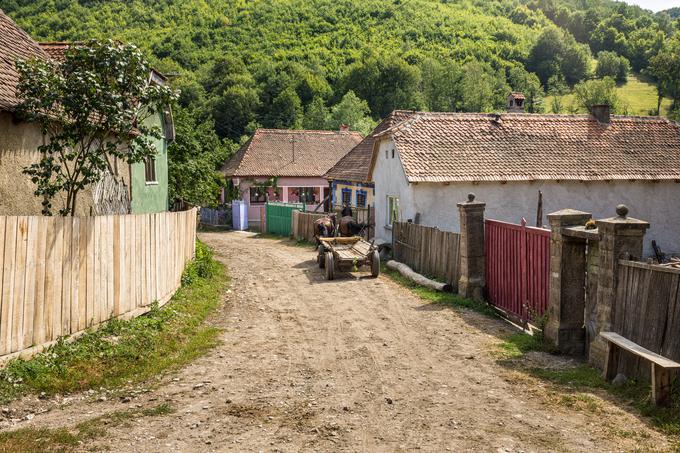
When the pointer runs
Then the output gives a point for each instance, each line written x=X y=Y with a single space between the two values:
x=19 y=284
x=630 y=346
x=28 y=301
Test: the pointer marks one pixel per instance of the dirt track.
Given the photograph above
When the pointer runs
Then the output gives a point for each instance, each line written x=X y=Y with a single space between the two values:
x=352 y=365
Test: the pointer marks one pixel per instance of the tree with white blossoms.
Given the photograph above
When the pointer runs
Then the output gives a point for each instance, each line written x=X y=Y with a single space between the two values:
x=91 y=108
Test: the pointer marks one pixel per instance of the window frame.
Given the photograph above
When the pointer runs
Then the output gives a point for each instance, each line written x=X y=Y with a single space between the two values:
x=364 y=194
x=392 y=213
x=263 y=196
x=150 y=176
x=346 y=191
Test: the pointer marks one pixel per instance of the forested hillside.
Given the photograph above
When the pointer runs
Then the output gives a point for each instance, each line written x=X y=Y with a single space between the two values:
x=319 y=63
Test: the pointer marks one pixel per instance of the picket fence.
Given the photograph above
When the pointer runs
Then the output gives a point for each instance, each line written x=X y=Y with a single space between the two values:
x=62 y=275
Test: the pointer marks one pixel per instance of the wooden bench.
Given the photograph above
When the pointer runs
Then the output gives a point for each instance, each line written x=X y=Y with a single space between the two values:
x=661 y=366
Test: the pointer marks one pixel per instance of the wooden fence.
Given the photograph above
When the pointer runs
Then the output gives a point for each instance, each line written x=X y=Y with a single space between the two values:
x=647 y=311
x=62 y=275
x=428 y=250
x=303 y=224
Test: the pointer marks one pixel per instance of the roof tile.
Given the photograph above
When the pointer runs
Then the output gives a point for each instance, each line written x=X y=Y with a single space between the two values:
x=275 y=152
x=14 y=44
x=451 y=147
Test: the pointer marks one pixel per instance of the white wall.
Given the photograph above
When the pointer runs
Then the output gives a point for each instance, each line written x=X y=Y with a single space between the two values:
x=657 y=203
x=389 y=179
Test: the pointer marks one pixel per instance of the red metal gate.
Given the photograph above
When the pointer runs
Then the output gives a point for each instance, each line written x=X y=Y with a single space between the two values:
x=517 y=268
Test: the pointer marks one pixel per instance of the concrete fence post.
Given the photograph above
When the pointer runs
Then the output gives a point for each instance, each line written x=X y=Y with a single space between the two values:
x=621 y=237
x=564 y=329
x=471 y=283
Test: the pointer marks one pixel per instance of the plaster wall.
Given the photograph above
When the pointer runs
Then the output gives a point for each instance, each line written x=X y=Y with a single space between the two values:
x=151 y=197
x=390 y=180
x=19 y=142
x=658 y=203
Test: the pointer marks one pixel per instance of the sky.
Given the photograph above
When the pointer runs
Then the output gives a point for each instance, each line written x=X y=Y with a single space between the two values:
x=655 y=5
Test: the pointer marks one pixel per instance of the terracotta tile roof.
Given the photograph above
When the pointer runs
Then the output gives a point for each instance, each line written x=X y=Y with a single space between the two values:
x=14 y=44
x=443 y=147
x=356 y=164
x=56 y=50
x=274 y=152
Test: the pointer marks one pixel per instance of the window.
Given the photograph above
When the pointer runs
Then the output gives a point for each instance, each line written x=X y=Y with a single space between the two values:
x=303 y=195
x=392 y=210
x=392 y=153
x=258 y=195
x=150 y=170
x=361 y=198
x=347 y=197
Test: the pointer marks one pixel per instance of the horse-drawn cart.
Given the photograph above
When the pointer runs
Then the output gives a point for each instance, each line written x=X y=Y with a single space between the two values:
x=347 y=254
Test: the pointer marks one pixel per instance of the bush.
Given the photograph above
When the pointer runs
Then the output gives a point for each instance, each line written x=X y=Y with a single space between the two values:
x=202 y=266
x=596 y=92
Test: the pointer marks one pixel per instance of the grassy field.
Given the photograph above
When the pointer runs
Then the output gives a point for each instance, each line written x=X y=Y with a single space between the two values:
x=638 y=97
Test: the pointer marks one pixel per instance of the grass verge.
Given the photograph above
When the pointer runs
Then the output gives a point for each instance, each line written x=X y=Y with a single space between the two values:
x=439 y=297
x=128 y=351
x=64 y=439
x=571 y=382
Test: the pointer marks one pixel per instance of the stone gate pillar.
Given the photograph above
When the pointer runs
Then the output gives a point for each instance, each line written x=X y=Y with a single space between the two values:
x=621 y=237
x=564 y=329
x=471 y=283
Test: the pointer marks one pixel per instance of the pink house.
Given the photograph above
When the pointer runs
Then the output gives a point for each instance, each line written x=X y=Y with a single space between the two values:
x=286 y=166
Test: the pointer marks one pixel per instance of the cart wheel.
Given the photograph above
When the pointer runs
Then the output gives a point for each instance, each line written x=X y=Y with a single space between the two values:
x=375 y=264
x=330 y=266
x=321 y=257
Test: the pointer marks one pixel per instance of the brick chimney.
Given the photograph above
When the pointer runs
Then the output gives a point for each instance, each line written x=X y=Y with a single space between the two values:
x=516 y=102
x=601 y=113
x=344 y=128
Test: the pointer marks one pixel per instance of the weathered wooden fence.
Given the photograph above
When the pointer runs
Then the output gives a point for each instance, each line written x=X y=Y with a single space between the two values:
x=216 y=217
x=62 y=275
x=303 y=224
x=647 y=312
x=428 y=250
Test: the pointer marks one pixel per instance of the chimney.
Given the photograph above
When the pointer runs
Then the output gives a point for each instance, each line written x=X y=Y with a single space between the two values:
x=344 y=128
x=601 y=113
x=516 y=102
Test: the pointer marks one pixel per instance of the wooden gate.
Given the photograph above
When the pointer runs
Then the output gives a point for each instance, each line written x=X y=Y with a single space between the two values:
x=280 y=217
x=517 y=269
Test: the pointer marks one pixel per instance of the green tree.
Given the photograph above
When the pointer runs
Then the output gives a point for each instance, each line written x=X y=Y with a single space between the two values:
x=234 y=99
x=193 y=160
x=441 y=85
x=316 y=115
x=352 y=111
x=285 y=111
x=92 y=109
x=610 y=64
x=557 y=52
x=597 y=92
x=386 y=84
x=665 y=67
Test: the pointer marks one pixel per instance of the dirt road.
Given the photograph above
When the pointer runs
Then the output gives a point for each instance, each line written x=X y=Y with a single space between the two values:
x=352 y=365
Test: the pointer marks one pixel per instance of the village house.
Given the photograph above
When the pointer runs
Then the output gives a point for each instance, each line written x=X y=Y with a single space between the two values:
x=349 y=181
x=286 y=166
x=423 y=166
x=19 y=142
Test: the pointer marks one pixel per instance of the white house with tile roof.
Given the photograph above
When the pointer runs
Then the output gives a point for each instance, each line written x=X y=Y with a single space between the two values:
x=426 y=164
